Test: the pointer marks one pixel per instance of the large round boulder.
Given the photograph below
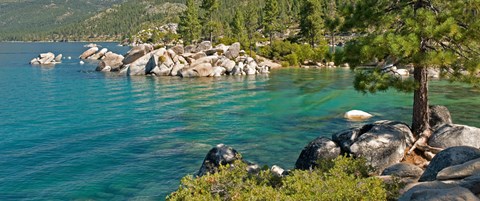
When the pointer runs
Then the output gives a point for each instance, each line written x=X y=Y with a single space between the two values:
x=460 y=171
x=203 y=46
x=319 y=149
x=204 y=70
x=219 y=155
x=233 y=51
x=456 y=193
x=114 y=61
x=451 y=135
x=449 y=157
x=179 y=50
x=136 y=52
x=139 y=65
x=383 y=144
x=346 y=138
x=403 y=170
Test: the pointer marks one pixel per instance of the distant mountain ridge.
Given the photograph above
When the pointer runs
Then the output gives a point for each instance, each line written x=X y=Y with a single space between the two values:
x=33 y=20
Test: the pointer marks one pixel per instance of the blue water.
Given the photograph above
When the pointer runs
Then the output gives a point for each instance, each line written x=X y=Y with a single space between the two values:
x=68 y=133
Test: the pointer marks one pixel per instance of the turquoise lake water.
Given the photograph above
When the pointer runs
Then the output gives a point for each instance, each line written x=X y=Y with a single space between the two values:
x=67 y=132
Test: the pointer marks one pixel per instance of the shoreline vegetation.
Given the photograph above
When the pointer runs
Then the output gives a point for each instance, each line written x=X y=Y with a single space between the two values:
x=430 y=159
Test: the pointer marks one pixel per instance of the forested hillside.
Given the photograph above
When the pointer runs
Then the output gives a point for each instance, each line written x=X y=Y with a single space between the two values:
x=58 y=20
x=33 y=20
x=22 y=19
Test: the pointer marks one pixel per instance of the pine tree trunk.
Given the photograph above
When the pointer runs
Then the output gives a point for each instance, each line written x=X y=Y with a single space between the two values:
x=420 y=102
x=333 y=43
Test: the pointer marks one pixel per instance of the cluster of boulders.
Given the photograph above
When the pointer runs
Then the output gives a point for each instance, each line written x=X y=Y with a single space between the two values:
x=200 y=60
x=451 y=174
x=47 y=59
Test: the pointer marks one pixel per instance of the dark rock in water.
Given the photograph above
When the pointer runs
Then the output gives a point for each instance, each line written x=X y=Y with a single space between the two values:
x=318 y=149
x=219 y=155
x=383 y=144
x=439 y=116
x=403 y=170
x=449 y=157
x=451 y=135
x=346 y=138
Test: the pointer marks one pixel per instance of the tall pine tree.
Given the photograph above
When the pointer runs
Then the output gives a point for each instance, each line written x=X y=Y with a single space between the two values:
x=189 y=26
x=210 y=25
x=271 y=14
x=238 y=26
x=426 y=34
x=251 y=24
x=311 y=20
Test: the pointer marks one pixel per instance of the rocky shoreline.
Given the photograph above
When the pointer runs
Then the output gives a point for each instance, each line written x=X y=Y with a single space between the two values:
x=202 y=60
x=451 y=174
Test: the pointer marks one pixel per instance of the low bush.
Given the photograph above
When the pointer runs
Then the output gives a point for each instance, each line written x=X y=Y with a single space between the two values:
x=340 y=179
x=293 y=53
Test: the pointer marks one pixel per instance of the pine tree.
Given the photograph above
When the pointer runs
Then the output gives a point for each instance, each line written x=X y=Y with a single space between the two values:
x=427 y=34
x=238 y=25
x=270 y=18
x=210 y=25
x=251 y=24
x=332 y=20
x=189 y=26
x=311 y=20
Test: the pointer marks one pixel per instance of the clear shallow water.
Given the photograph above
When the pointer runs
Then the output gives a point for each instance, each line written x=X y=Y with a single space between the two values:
x=70 y=133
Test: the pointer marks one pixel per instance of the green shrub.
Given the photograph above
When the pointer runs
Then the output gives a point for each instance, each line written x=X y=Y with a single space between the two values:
x=292 y=59
x=162 y=59
x=341 y=179
x=227 y=41
x=294 y=53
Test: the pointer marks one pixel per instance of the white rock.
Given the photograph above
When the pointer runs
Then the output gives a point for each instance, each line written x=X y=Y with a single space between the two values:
x=277 y=170
x=357 y=115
